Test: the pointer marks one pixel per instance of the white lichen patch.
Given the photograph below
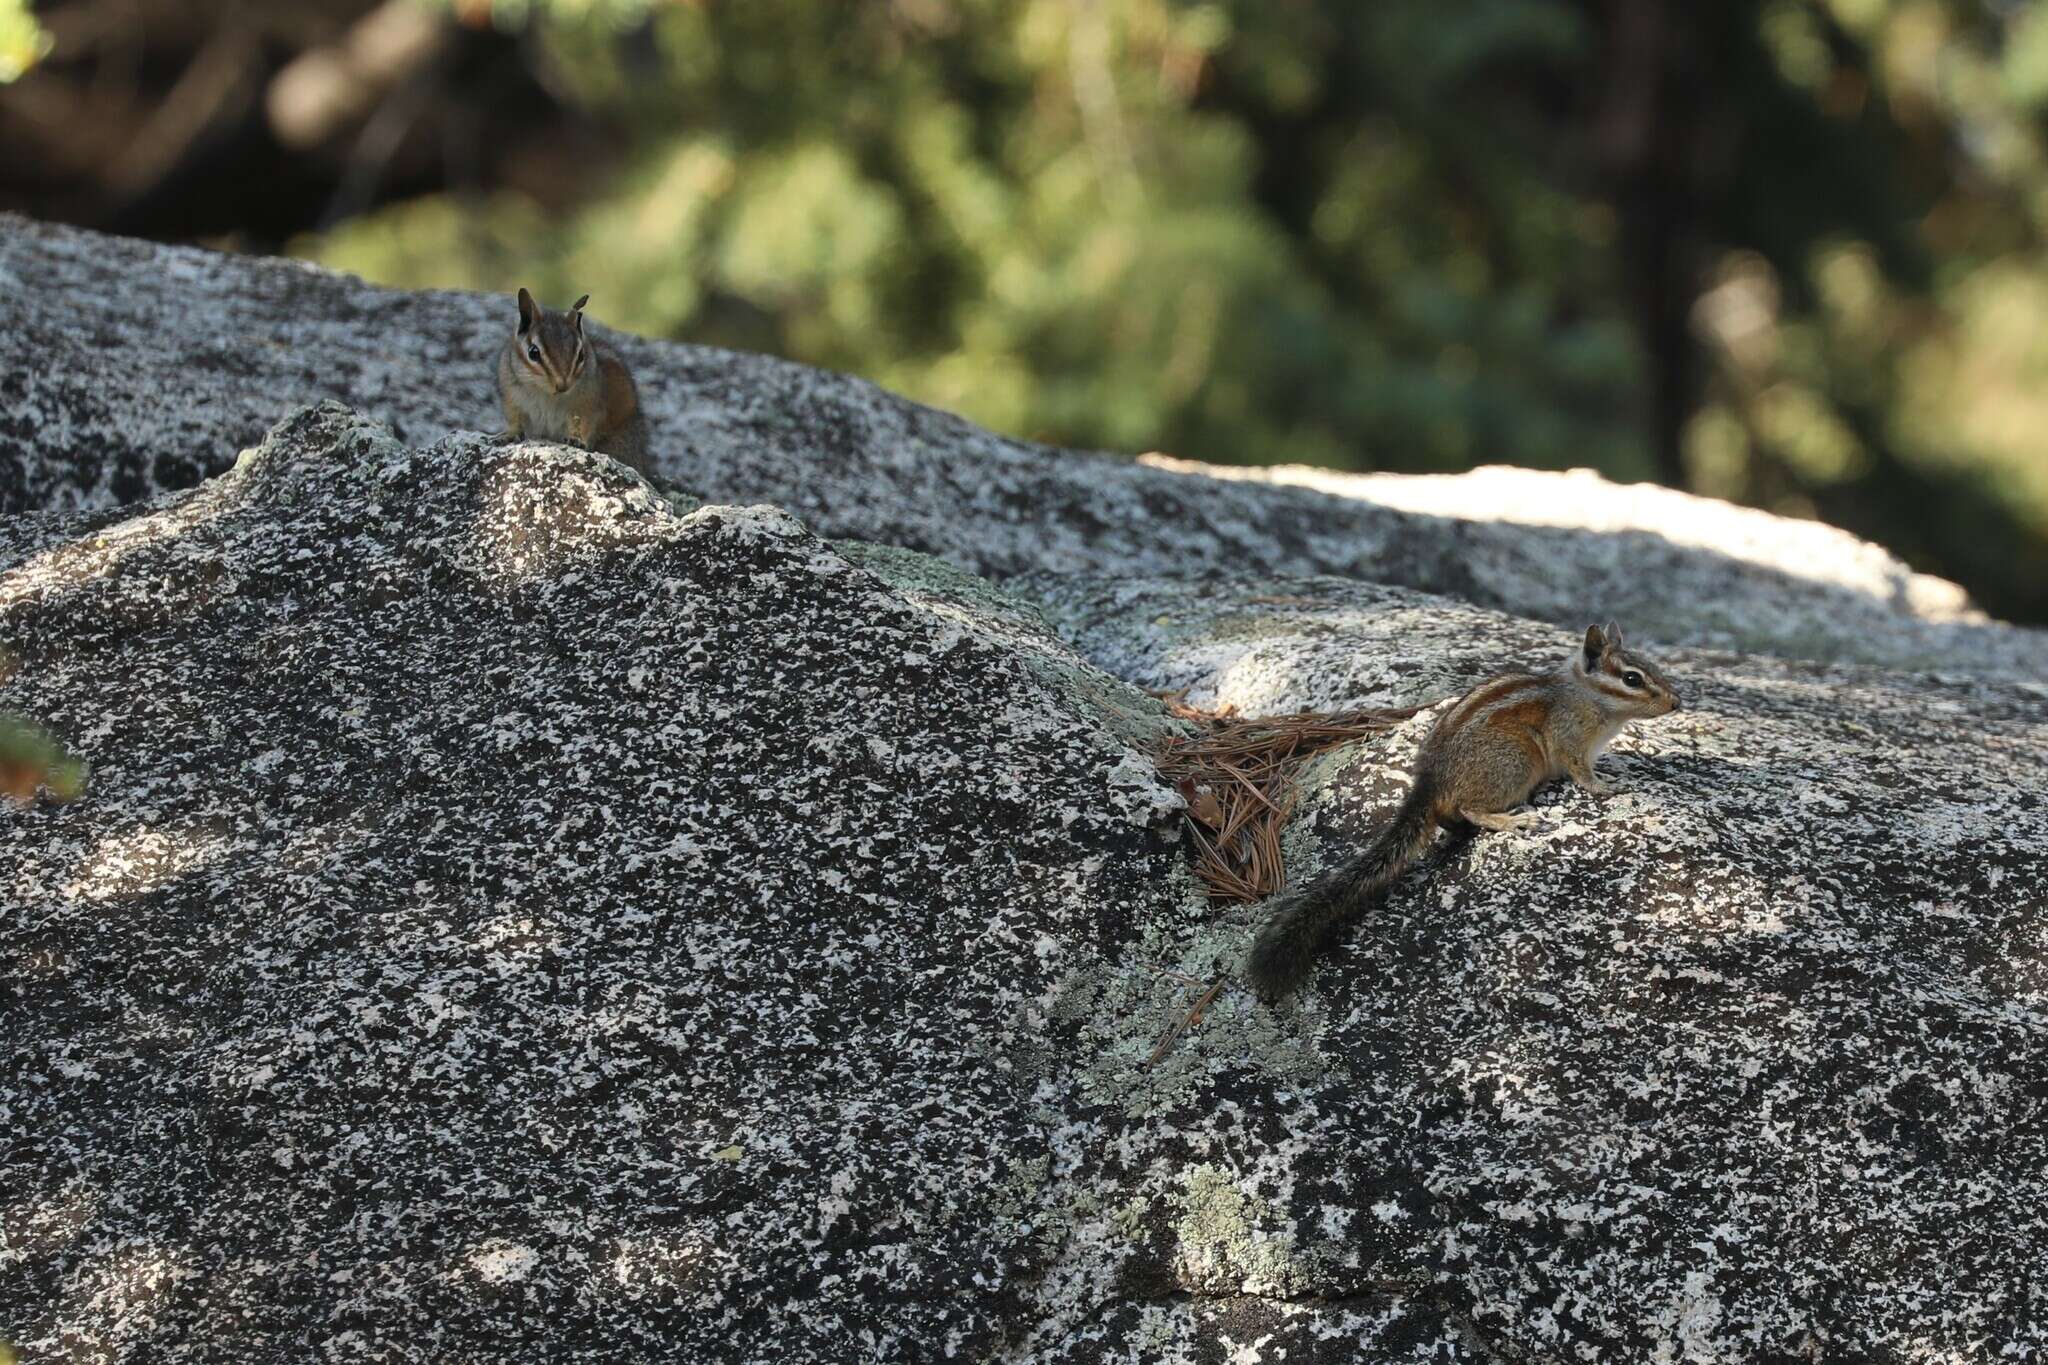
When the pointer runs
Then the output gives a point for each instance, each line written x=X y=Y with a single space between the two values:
x=133 y=862
x=503 y=1262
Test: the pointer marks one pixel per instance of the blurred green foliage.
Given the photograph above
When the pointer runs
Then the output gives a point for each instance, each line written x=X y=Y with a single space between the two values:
x=1016 y=209
x=22 y=43
x=1784 y=251
x=30 y=758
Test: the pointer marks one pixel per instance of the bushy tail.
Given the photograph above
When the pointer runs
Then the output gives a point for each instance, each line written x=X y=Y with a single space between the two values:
x=1286 y=948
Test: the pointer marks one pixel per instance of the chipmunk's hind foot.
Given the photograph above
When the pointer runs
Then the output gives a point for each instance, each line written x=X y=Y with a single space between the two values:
x=1501 y=820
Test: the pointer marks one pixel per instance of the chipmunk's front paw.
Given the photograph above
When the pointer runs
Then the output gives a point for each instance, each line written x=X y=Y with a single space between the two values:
x=1586 y=778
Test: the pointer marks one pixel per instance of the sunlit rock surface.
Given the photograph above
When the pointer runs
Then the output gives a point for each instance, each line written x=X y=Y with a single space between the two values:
x=520 y=912
x=513 y=912
x=103 y=407
x=1742 y=1062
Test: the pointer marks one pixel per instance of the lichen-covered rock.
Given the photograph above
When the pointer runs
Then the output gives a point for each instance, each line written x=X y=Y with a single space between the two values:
x=520 y=912
x=1746 y=1062
x=518 y=916
x=144 y=367
x=516 y=919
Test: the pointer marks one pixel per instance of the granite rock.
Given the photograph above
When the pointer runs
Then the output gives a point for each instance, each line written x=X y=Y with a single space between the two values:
x=1744 y=1061
x=516 y=916
x=520 y=910
x=147 y=367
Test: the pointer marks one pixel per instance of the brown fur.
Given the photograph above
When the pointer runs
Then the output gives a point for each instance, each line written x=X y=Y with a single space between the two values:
x=1523 y=723
x=1484 y=695
x=557 y=384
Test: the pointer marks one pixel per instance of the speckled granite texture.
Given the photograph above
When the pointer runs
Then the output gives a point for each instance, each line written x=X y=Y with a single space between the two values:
x=96 y=408
x=521 y=915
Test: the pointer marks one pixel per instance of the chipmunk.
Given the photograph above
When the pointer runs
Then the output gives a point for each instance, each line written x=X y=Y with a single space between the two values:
x=559 y=385
x=1481 y=759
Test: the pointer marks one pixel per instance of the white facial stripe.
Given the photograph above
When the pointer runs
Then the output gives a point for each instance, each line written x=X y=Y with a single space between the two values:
x=545 y=366
x=1650 y=681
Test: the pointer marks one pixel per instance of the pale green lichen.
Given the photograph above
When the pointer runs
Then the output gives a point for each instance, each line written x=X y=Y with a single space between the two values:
x=1231 y=627
x=1127 y=1219
x=1224 y=1237
x=1019 y=1199
x=1161 y=1333
x=912 y=571
x=1103 y=1019
x=949 y=592
x=1302 y=851
x=680 y=504
x=1123 y=1009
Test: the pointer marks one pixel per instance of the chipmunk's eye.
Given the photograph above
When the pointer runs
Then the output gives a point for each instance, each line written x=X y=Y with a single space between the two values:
x=1631 y=679
x=532 y=352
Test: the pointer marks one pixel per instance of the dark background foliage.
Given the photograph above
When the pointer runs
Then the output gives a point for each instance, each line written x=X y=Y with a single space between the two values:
x=1788 y=252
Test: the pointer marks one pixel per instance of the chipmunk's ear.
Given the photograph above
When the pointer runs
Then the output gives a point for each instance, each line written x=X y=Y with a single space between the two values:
x=1596 y=645
x=527 y=309
x=577 y=307
x=1613 y=636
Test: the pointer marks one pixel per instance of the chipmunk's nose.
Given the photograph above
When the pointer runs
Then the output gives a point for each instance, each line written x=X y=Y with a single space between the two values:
x=1676 y=705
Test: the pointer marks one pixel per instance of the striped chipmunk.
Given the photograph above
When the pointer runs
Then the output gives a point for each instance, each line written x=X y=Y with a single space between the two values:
x=1481 y=759
x=559 y=385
